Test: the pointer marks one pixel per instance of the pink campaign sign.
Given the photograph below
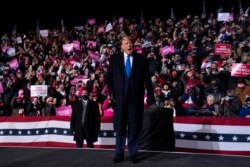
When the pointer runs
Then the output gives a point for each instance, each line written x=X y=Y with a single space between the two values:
x=94 y=56
x=91 y=21
x=77 y=79
x=100 y=29
x=64 y=111
x=68 y=47
x=14 y=64
x=5 y=48
x=167 y=50
x=1 y=87
x=223 y=49
x=240 y=70
x=120 y=20
x=76 y=45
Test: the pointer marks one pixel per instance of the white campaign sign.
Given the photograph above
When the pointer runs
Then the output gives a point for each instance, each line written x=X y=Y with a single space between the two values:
x=38 y=90
x=44 y=33
x=223 y=17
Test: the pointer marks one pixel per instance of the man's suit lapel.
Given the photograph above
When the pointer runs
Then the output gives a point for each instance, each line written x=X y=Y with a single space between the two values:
x=133 y=65
x=121 y=64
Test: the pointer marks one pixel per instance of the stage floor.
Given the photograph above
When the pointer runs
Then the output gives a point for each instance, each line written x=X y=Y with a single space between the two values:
x=61 y=157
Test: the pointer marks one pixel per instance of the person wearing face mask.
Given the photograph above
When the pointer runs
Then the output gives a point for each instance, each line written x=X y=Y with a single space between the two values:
x=230 y=105
x=214 y=88
x=245 y=109
x=49 y=108
x=85 y=120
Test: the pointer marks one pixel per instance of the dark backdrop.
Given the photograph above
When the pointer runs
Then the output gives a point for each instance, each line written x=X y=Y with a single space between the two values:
x=25 y=14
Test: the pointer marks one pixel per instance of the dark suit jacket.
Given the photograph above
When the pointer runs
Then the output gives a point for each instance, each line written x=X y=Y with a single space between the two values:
x=116 y=80
x=91 y=124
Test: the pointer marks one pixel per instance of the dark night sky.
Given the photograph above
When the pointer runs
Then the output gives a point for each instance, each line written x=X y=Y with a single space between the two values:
x=25 y=15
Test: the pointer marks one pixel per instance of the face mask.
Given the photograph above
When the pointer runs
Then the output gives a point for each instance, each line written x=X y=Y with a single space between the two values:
x=248 y=104
x=85 y=97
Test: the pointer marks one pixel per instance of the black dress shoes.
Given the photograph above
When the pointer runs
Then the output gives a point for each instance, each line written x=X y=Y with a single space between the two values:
x=133 y=159
x=118 y=159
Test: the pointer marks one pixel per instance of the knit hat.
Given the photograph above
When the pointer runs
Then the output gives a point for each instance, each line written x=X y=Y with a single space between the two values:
x=240 y=84
x=248 y=99
x=49 y=99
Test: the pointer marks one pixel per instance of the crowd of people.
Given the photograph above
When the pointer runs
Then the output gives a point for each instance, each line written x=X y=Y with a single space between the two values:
x=189 y=79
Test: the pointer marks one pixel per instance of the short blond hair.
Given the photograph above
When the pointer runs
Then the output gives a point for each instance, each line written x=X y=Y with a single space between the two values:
x=125 y=37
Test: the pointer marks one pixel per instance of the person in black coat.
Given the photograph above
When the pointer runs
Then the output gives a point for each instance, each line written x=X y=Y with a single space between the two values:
x=127 y=77
x=85 y=120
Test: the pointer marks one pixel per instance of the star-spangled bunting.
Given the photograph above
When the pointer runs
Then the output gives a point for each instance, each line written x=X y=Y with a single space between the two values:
x=47 y=131
x=110 y=133
x=213 y=137
x=13 y=132
x=191 y=133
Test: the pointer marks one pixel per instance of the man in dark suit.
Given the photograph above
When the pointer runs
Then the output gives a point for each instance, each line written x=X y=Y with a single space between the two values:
x=126 y=78
x=85 y=120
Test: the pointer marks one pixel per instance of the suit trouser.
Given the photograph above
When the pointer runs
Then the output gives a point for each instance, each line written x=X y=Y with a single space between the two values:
x=79 y=144
x=133 y=136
